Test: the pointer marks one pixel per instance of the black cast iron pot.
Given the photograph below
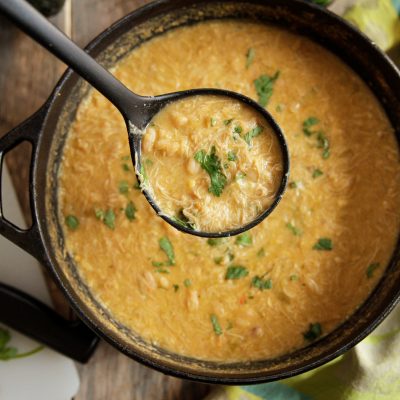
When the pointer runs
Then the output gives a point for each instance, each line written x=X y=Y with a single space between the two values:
x=48 y=129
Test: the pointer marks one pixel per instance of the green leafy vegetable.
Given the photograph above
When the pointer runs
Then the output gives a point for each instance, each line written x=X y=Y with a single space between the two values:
x=215 y=241
x=248 y=137
x=99 y=213
x=228 y=121
x=323 y=244
x=238 y=129
x=308 y=123
x=126 y=167
x=162 y=271
x=167 y=247
x=216 y=326
x=323 y=143
x=294 y=278
x=314 y=332
x=212 y=165
x=123 y=187
x=293 y=185
x=130 y=211
x=8 y=352
x=261 y=283
x=72 y=222
x=244 y=239
x=264 y=87
x=371 y=269
x=250 y=57
x=317 y=173
x=296 y=231
x=236 y=272
x=187 y=283
x=176 y=288
x=109 y=219
x=213 y=121
x=232 y=156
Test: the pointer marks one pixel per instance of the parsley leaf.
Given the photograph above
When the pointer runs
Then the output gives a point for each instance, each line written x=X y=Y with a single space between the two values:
x=371 y=269
x=213 y=121
x=123 y=187
x=260 y=283
x=215 y=241
x=296 y=231
x=244 y=239
x=126 y=167
x=72 y=222
x=109 y=219
x=176 y=288
x=264 y=85
x=99 y=213
x=236 y=272
x=252 y=134
x=294 y=277
x=228 y=121
x=314 y=332
x=212 y=165
x=317 y=173
x=8 y=352
x=232 y=156
x=216 y=326
x=238 y=129
x=166 y=246
x=308 y=123
x=187 y=283
x=250 y=57
x=183 y=220
x=323 y=244
x=130 y=211
x=323 y=143
x=293 y=185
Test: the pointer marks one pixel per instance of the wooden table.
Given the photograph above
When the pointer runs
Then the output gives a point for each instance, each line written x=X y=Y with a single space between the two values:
x=27 y=75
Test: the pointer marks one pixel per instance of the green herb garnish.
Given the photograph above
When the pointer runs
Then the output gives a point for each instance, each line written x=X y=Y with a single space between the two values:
x=371 y=269
x=176 y=288
x=265 y=86
x=240 y=175
x=8 y=352
x=323 y=244
x=252 y=134
x=296 y=231
x=294 y=278
x=123 y=187
x=238 y=129
x=236 y=272
x=293 y=185
x=261 y=252
x=187 y=283
x=228 y=121
x=99 y=213
x=212 y=165
x=166 y=246
x=244 y=239
x=183 y=220
x=162 y=271
x=308 y=123
x=317 y=173
x=314 y=332
x=213 y=121
x=216 y=326
x=126 y=167
x=72 y=222
x=109 y=219
x=232 y=156
x=260 y=283
x=218 y=260
x=130 y=211
x=215 y=241
x=250 y=57
x=323 y=143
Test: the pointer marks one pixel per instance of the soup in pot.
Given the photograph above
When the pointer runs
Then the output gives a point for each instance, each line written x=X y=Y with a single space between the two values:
x=288 y=281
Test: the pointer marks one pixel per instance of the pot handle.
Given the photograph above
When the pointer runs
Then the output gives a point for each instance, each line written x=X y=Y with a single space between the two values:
x=35 y=319
x=28 y=239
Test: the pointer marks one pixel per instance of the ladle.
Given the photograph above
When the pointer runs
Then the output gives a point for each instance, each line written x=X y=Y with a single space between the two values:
x=136 y=110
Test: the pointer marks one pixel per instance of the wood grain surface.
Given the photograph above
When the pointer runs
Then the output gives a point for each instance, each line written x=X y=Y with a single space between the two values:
x=27 y=75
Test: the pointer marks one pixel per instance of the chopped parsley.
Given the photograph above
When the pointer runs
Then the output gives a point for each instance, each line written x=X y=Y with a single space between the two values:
x=261 y=252
x=215 y=241
x=162 y=271
x=7 y=352
x=260 y=283
x=244 y=239
x=228 y=121
x=296 y=231
x=371 y=269
x=187 y=283
x=238 y=129
x=218 y=260
x=130 y=211
x=250 y=57
x=213 y=121
x=314 y=332
x=264 y=86
x=215 y=324
x=309 y=123
x=293 y=185
x=72 y=222
x=166 y=246
x=317 y=173
x=176 y=288
x=323 y=244
x=126 y=167
x=236 y=272
x=294 y=278
x=232 y=156
x=109 y=219
x=212 y=165
x=323 y=143
x=99 y=213
x=248 y=137
x=123 y=187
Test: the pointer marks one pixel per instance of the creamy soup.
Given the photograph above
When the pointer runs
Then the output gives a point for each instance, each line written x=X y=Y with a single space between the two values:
x=212 y=163
x=285 y=283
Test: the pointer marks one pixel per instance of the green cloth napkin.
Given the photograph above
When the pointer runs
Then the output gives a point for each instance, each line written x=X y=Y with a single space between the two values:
x=371 y=370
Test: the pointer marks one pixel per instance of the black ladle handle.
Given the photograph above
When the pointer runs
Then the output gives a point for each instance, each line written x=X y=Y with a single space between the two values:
x=37 y=26
x=35 y=319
